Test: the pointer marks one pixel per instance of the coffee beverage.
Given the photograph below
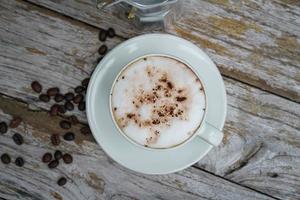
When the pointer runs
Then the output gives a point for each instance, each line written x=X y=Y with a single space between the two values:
x=158 y=102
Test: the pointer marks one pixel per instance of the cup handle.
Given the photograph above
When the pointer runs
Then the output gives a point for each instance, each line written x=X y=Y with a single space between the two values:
x=210 y=134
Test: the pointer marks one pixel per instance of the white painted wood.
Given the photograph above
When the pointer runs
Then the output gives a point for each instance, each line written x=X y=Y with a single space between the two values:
x=256 y=42
x=262 y=138
x=92 y=175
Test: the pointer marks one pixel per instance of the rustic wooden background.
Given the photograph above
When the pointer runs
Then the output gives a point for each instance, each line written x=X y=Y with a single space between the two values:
x=256 y=46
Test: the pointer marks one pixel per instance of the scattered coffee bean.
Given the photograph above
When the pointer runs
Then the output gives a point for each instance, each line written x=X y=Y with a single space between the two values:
x=69 y=96
x=102 y=35
x=85 y=82
x=79 y=89
x=78 y=98
x=272 y=174
x=111 y=32
x=59 y=97
x=54 y=109
x=81 y=106
x=18 y=139
x=67 y=158
x=62 y=109
x=62 y=181
x=53 y=91
x=73 y=119
x=65 y=124
x=5 y=158
x=69 y=136
x=15 y=122
x=69 y=106
x=102 y=50
x=44 y=98
x=57 y=155
x=3 y=127
x=85 y=130
x=53 y=164
x=19 y=161
x=55 y=140
x=36 y=86
x=47 y=157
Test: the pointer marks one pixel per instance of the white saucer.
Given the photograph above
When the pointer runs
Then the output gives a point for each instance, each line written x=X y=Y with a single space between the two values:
x=100 y=120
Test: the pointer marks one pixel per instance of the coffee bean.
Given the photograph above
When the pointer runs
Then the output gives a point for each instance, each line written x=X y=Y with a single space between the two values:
x=5 y=158
x=18 y=139
x=78 y=98
x=81 y=106
x=67 y=158
x=44 y=98
x=79 y=89
x=69 y=136
x=54 y=109
x=36 y=86
x=19 y=161
x=53 y=91
x=62 y=109
x=3 y=127
x=111 y=32
x=102 y=35
x=15 y=122
x=53 y=164
x=47 y=157
x=69 y=106
x=69 y=96
x=57 y=155
x=73 y=119
x=272 y=174
x=85 y=130
x=55 y=140
x=62 y=181
x=102 y=50
x=85 y=82
x=59 y=97
x=65 y=124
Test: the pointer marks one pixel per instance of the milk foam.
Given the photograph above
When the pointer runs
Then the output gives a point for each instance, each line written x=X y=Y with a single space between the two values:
x=158 y=102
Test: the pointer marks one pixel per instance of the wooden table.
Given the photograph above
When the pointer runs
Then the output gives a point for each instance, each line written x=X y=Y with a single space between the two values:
x=256 y=46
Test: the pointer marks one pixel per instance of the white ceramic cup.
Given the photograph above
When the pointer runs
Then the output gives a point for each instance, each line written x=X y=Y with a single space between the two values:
x=205 y=131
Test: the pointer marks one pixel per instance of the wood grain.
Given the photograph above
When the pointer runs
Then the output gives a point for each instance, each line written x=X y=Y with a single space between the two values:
x=262 y=142
x=92 y=175
x=256 y=42
x=261 y=145
x=51 y=44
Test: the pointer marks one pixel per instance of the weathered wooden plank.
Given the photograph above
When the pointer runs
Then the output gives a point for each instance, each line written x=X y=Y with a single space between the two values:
x=256 y=42
x=59 y=47
x=258 y=52
x=92 y=175
x=260 y=127
x=262 y=142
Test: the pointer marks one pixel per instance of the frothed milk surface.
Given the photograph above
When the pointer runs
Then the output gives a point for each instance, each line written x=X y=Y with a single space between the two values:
x=158 y=102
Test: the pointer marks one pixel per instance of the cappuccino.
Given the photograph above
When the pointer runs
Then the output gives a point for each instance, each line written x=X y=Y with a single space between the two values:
x=158 y=102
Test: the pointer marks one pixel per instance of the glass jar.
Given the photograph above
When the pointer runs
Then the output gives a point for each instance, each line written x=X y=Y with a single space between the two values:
x=143 y=12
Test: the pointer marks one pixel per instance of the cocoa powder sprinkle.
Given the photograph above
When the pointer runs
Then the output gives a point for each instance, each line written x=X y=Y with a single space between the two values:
x=170 y=85
x=180 y=99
